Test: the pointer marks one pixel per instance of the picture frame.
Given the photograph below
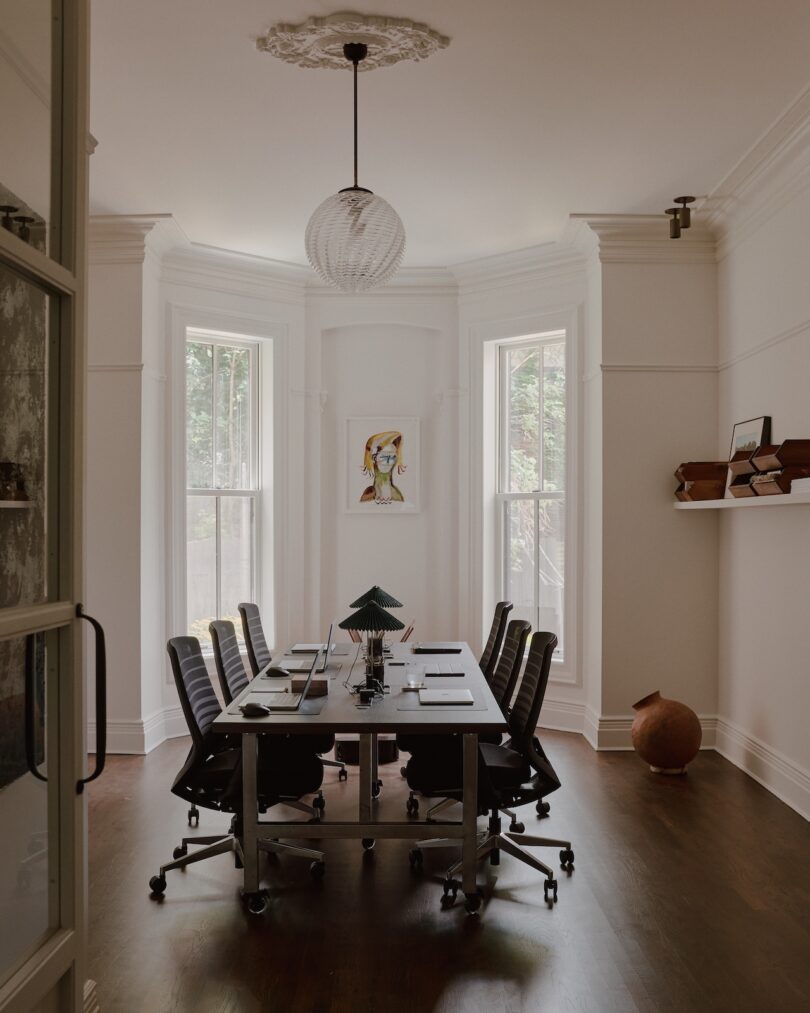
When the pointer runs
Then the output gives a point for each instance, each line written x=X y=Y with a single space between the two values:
x=750 y=434
x=383 y=465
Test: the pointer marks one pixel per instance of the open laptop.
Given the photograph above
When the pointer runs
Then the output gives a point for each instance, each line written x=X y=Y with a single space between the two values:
x=302 y=664
x=290 y=701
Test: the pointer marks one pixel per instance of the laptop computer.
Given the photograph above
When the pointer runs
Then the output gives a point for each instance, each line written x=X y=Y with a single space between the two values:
x=302 y=664
x=290 y=701
x=437 y=697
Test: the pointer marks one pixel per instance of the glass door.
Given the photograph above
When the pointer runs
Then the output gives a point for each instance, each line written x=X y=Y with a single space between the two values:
x=43 y=185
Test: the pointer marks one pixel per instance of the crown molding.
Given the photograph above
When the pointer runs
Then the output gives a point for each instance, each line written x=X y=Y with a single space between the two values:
x=215 y=269
x=408 y=281
x=127 y=239
x=786 y=139
x=644 y=239
x=543 y=263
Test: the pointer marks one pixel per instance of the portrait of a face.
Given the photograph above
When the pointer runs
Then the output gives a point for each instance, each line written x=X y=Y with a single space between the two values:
x=382 y=458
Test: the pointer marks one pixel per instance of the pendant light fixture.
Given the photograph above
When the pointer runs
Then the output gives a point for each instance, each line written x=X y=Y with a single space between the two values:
x=355 y=240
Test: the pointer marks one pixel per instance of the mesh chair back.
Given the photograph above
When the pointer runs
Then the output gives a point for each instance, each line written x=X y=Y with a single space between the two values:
x=197 y=696
x=489 y=659
x=525 y=713
x=257 y=649
x=232 y=675
x=507 y=670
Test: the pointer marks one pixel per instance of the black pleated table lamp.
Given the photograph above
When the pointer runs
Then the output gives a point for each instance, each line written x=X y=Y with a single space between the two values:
x=374 y=621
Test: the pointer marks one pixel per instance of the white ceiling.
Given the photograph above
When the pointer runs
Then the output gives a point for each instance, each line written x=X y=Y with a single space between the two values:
x=537 y=109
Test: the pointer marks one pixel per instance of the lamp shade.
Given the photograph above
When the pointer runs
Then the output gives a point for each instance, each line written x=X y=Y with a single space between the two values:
x=355 y=240
x=379 y=597
x=371 y=618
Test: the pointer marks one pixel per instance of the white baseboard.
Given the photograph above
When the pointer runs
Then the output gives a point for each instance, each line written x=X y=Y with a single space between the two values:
x=90 y=1004
x=562 y=715
x=140 y=737
x=607 y=732
x=772 y=769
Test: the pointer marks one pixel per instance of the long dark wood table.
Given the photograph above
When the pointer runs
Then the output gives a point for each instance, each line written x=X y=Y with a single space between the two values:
x=397 y=711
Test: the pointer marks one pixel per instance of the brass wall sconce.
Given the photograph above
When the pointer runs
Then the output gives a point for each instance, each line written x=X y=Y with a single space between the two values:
x=681 y=217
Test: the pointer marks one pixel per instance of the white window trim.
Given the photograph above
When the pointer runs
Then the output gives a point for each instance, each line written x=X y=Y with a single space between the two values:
x=273 y=339
x=254 y=493
x=503 y=497
x=480 y=532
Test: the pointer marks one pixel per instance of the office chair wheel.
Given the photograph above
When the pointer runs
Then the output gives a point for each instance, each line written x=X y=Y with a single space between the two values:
x=180 y=851
x=403 y=771
x=368 y=843
x=237 y=861
x=550 y=887
x=157 y=884
x=412 y=806
x=318 y=869
x=319 y=804
x=194 y=816
x=543 y=809
x=343 y=774
x=472 y=902
x=376 y=789
x=256 y=902
x=567 y=858
x=515 y=827
x=449 y=891
x=415 y=857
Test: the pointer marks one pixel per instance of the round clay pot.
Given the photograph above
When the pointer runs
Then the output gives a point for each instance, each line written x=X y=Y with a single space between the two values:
x=666 y=734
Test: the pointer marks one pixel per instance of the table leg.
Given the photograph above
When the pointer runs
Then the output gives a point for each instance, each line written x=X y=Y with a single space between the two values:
x=250 y=814
x=469 y=849
x=366 y=765
x=375 y=767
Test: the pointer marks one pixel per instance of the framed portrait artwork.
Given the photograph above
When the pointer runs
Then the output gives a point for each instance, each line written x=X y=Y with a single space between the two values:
x=750 y=434
x=382 y=465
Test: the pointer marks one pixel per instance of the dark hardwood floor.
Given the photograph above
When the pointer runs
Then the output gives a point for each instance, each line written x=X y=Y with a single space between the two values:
x=689 y=894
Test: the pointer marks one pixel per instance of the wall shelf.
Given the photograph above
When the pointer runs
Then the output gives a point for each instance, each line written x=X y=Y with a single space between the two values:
x=11 y=504
x=788 y=499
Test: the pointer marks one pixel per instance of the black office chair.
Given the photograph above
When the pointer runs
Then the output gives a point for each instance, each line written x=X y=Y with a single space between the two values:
x=259 y=657
x=211 y=777
x=492 y=649
x=257 y=650
x=230 y=670
x=512 y=775
x=502 y=683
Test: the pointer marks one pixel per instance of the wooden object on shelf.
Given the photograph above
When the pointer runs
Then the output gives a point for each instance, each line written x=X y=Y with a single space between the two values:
x=779 y=482
x=702 y=471
x=764 y=458
x=703 y=490
x=740 y=487
x=794 y=454
x=701 y=480
x=742 y=463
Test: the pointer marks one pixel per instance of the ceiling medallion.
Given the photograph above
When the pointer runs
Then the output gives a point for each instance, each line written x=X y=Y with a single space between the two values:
x=318 y=42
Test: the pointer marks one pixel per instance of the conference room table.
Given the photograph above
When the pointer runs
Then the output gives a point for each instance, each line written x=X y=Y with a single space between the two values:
x=339 y=712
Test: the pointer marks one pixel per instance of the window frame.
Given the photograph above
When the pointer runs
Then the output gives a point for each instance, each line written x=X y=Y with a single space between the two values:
x=253 y=346
x=565 y=664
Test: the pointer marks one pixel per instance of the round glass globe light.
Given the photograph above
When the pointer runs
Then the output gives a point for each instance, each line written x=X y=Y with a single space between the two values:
x=355 y=240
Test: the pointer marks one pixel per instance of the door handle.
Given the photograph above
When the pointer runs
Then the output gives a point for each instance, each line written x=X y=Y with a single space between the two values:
x=30 y=716
x=101 y=698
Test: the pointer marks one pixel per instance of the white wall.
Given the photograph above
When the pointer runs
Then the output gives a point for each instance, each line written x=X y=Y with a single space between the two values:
x=764 y=330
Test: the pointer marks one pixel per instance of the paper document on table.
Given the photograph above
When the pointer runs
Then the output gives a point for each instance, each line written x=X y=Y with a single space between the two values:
x=443 y=668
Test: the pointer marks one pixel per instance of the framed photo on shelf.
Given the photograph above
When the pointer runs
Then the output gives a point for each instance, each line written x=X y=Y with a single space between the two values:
x=750 y=434
x=382 y=465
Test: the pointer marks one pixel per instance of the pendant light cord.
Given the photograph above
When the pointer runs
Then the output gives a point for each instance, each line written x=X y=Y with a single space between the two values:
x=355 y=52
x=355 y=62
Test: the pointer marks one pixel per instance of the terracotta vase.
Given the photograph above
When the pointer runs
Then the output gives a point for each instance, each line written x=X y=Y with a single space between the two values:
x=666 y=734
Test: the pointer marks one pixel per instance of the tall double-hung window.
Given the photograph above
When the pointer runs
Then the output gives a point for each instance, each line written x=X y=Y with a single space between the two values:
x=531 y=482
x=222 y=481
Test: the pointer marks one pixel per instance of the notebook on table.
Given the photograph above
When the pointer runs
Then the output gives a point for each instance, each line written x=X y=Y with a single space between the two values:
x=437 y=697
x=302 y=664
x=440 y=647
x=443 y=669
